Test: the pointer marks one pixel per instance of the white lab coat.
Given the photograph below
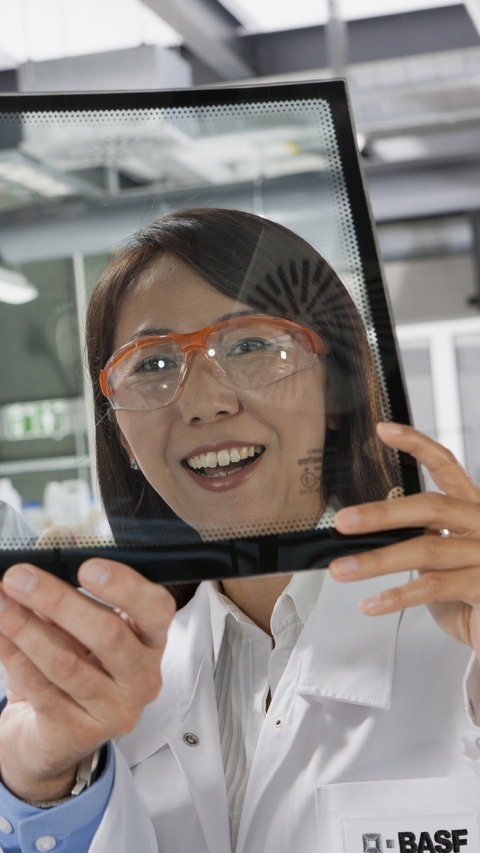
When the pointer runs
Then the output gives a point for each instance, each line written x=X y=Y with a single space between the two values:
x=362 y=741
x=14 y=531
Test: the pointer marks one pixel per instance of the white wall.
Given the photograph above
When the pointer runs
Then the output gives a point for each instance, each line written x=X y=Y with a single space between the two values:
x=431 y=288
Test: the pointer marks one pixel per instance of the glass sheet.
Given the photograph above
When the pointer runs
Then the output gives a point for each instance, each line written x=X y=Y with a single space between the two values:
x=236 y=473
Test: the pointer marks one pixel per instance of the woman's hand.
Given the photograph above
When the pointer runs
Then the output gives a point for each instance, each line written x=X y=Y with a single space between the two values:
x=78 y=672
x=448 y=565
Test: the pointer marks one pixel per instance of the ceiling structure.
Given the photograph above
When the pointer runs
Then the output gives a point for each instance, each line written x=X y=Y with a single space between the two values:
x=414 y=79
x=413 y=75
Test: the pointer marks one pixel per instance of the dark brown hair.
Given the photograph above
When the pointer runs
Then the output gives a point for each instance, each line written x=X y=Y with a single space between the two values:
x=267 y=266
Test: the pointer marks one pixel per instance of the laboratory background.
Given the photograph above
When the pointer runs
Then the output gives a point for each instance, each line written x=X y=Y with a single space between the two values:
x=413 y=72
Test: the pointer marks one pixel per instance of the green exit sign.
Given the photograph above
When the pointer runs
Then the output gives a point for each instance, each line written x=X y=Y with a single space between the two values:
x=40 y=419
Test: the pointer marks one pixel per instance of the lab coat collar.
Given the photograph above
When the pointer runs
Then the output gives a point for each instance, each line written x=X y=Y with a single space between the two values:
x=297 y=599
x=354 y=664
x=344 y=654
x=301 y=593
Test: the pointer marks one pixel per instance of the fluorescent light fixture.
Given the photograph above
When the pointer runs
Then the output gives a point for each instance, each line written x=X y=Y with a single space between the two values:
x=15 y=288
x=33 y=30
x=265 y=16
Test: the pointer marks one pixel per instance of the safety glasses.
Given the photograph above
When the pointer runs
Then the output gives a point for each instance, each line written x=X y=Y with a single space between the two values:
x=249 y=351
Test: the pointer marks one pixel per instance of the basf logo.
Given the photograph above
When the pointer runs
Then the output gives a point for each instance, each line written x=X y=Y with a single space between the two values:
x=439 y=841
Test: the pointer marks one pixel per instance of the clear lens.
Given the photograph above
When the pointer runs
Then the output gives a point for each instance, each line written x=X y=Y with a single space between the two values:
x=147 y=378
x=259 y=355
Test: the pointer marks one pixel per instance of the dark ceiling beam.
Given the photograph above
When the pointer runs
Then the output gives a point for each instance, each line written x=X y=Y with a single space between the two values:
x=209 y=32
x=371 y=39
x=425 y=31
x=424 y=189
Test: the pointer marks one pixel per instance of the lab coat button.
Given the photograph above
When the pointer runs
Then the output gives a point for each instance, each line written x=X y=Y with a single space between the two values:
x=190 y=739
x=279 y=722
x=5 y=826
x=45 y=843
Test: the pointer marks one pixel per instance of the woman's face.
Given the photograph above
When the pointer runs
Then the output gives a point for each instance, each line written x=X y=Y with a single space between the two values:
x=282 y=424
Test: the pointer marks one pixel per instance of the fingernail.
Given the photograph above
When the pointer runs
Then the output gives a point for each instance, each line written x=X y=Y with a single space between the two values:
x=21 y=579
x=391 y=427
x=347 y=518
x=94 y=573
x=345 y=566
x=371 y=605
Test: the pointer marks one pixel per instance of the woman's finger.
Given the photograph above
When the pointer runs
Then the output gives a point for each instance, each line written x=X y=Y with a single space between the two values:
x=148 y=604
x=448 y=566
x=150 y=607
x=432 y=510
x=20 y=672
x=43 y=658
x=56 y=537
x=444 y=468
x=72 y=691
x=120 y=651
x=424 y=553
x=461 y=586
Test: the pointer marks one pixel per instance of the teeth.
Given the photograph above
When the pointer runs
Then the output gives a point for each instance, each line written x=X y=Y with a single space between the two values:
x=224 y=457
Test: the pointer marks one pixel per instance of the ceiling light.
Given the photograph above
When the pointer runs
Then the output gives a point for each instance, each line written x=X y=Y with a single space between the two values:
x=15 y=288
x=35 y=30
x=262 y=16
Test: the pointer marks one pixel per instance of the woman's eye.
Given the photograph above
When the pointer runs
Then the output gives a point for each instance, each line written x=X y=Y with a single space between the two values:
x=250 y=345
x=155 y=363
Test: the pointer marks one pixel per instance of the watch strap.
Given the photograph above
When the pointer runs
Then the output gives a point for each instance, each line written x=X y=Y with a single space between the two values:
x=88 y=772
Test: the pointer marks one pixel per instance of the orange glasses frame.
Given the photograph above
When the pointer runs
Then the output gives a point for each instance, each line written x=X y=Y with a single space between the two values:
x=196 y=341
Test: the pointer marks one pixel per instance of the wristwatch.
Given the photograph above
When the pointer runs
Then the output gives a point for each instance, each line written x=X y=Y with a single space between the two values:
x=88 y=771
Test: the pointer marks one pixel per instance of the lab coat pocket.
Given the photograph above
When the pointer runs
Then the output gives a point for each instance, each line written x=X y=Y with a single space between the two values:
x=439 y=815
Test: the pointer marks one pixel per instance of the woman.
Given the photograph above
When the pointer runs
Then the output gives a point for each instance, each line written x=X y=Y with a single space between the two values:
x=286 y=718
x=269 y=270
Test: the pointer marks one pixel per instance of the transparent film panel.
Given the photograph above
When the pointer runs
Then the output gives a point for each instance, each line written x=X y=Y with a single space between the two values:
x=111 y=172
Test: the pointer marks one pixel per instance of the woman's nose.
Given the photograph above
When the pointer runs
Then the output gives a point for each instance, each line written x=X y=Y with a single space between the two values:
x=206 y=395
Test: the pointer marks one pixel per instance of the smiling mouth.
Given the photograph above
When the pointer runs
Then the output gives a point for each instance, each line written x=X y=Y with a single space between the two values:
x=224 y=462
